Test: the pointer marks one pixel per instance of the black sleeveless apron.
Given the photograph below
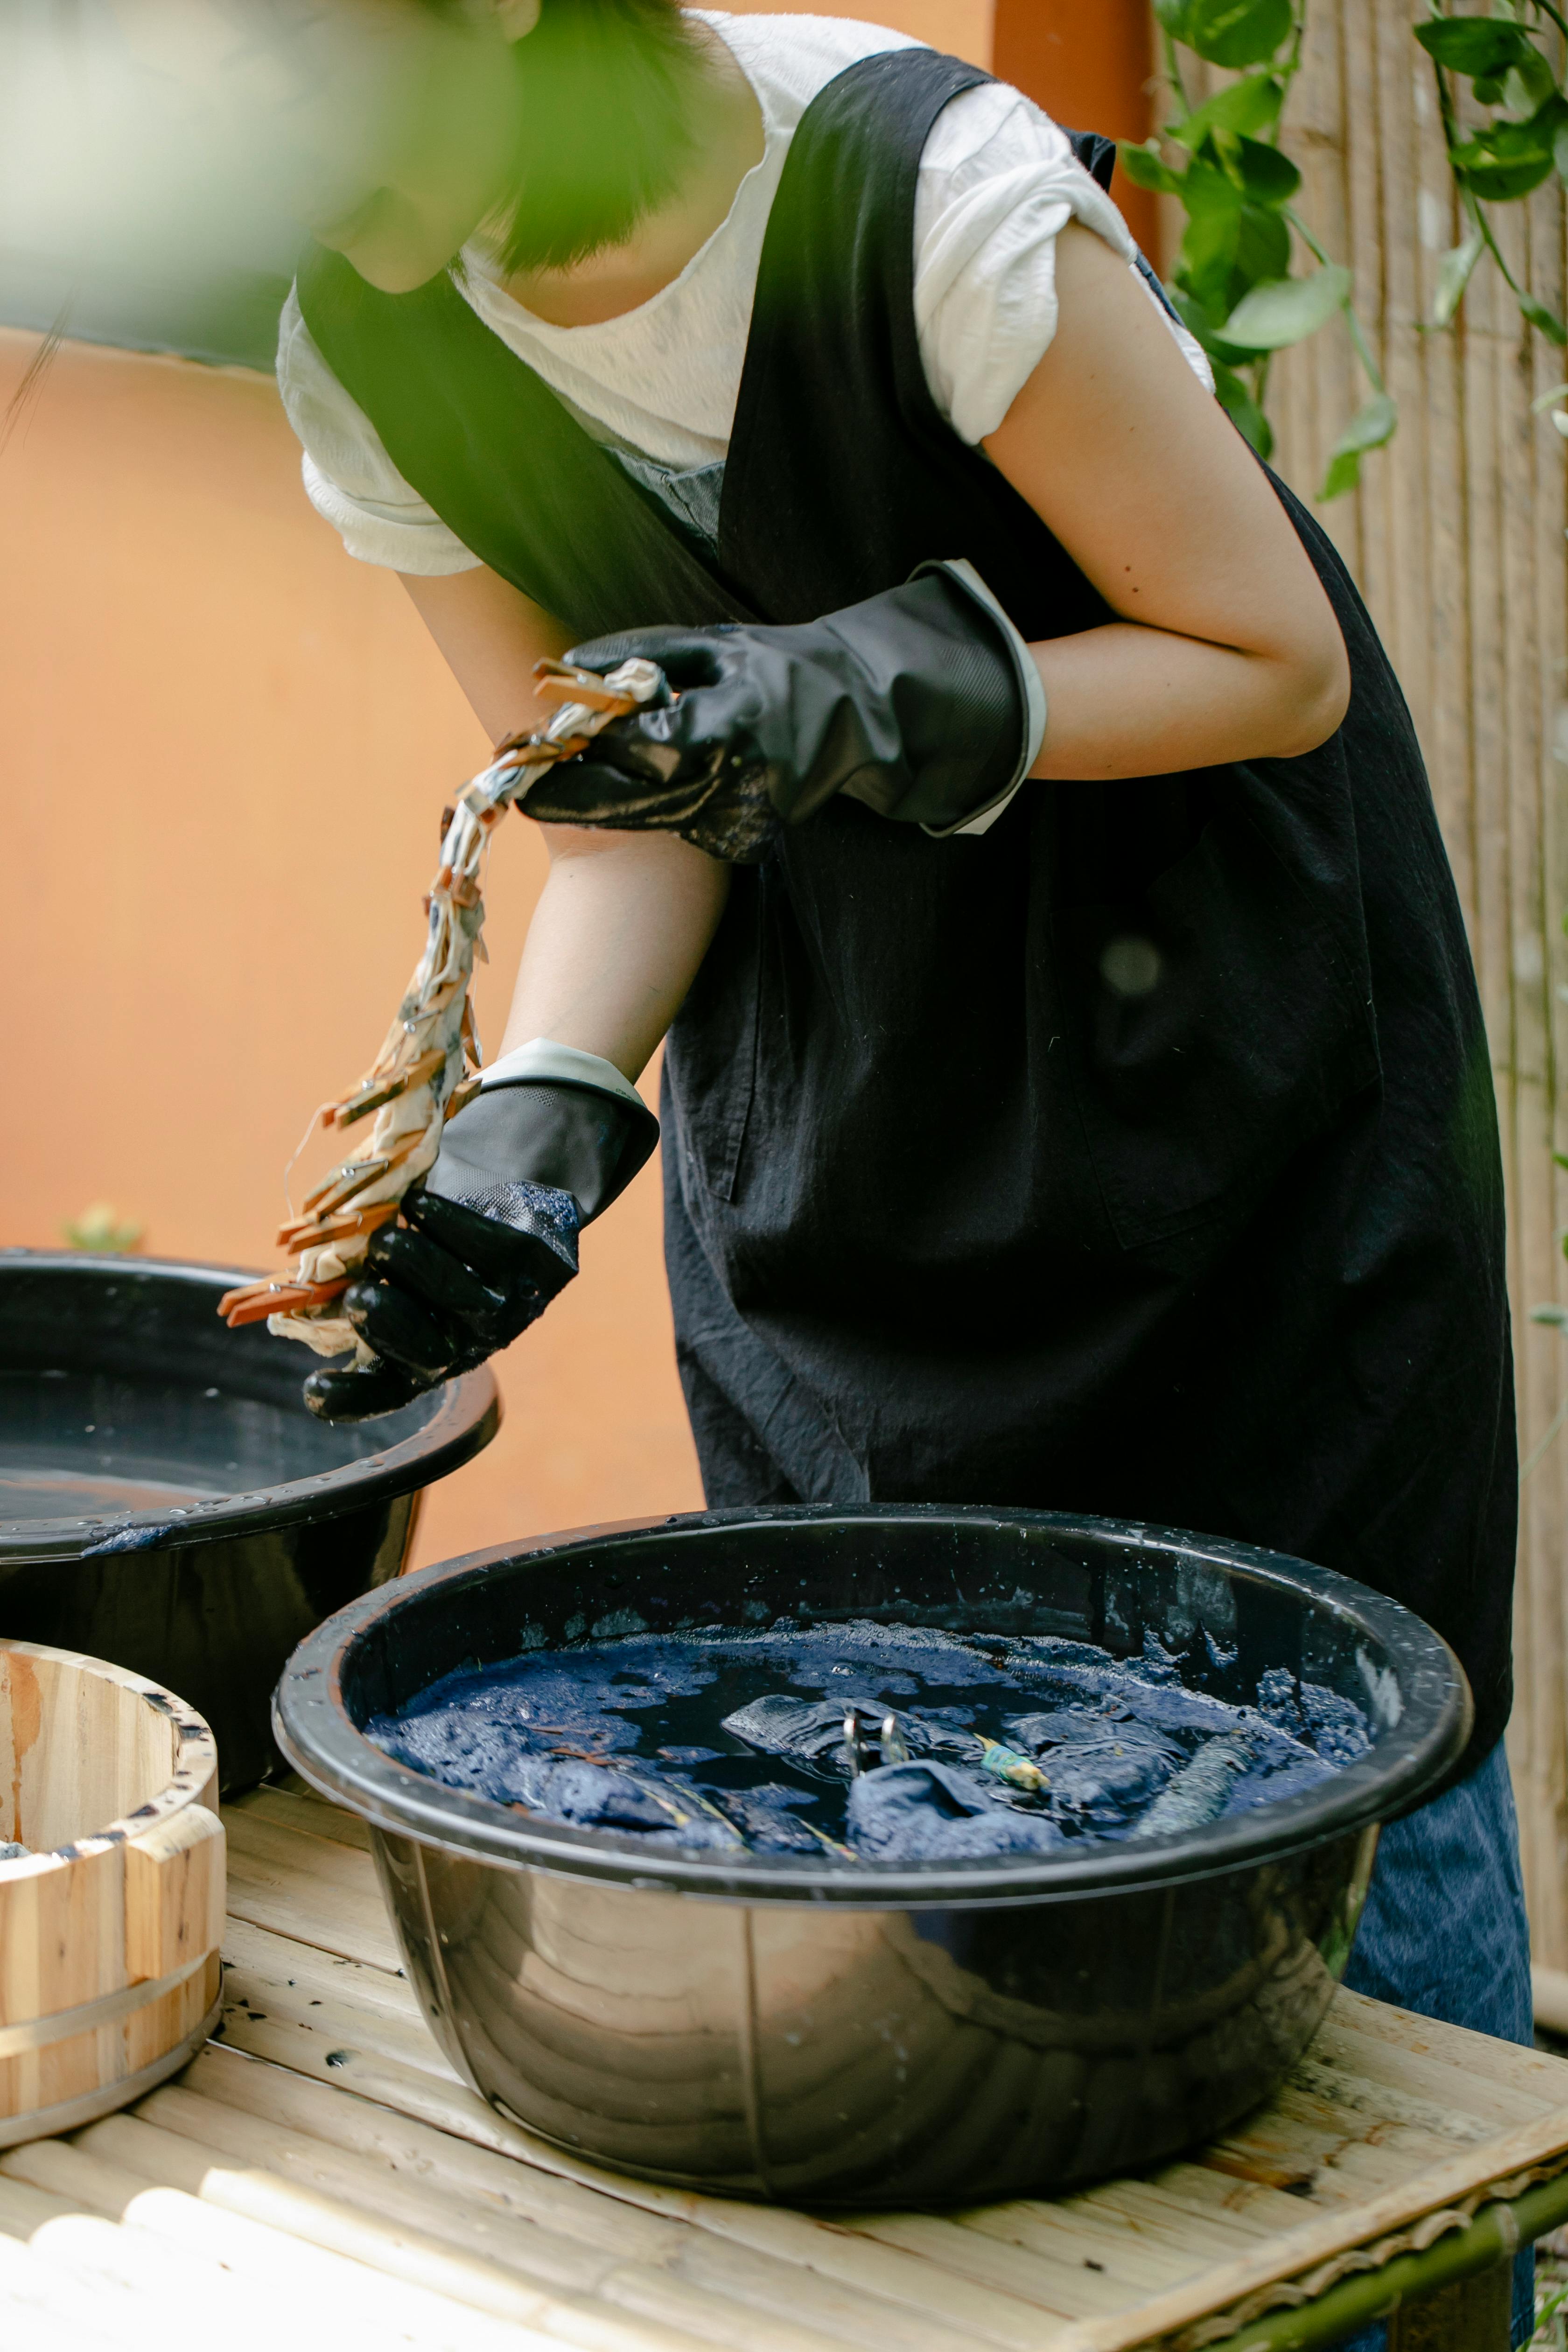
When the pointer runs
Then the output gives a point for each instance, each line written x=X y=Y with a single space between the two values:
x=1137 y=1156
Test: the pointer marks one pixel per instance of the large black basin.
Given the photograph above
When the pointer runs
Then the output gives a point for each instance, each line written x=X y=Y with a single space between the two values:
x=881 y=2033
x=166 y=1501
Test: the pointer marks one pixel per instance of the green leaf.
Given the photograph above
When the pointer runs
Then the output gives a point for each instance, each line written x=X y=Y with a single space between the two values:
x=1369 y=429
x=1203 y=326
x=1145 y=169
x=1287 y=309
x=1249 y=107
x=1473 y=45
x=1540 y=317
x=1236 y=32
x=1269 y=177
x=1527 y=86
x=1173 y=17
x=1242 y=409
x=1206 y=188
x=1207 y=256
x=1453 y=275
x=1556 y=1315
x=1262 y=252
x=1371 y=426
x=1508 y=159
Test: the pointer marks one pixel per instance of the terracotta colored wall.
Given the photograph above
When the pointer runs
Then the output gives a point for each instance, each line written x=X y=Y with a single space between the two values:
x=1088 y=63
x=963 y=27
x=224 y=746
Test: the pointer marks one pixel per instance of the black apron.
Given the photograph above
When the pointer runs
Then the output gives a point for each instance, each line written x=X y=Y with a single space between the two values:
x=1137 y=1156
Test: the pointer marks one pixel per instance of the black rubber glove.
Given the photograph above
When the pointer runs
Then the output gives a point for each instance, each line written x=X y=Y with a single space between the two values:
x=491 y=1237
x=913 y=703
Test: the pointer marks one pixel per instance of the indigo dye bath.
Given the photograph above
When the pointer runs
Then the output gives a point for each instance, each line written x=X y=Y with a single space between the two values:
x=867 y=1742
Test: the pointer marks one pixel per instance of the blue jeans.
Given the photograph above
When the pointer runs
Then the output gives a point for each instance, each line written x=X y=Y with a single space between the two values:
x=1444 y=1933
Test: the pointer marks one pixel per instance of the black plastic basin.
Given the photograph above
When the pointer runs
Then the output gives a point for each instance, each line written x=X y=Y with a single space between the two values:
x=882 y=2034
x=167 y=1503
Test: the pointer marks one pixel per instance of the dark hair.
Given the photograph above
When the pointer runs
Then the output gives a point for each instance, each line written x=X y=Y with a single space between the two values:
x=604 y=102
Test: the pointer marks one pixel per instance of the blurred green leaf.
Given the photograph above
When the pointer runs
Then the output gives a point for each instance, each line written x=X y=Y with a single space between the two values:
x=1207 y=187
x=102 y=1229
x=1145 y=169
x=1207 y=258
x=1560 y=151
x=1204 y=325
x=1557 y=1315
x=1242 y=409
x=1172 y=16
x=1473 y=45
x=1262 y=252
x=1508 y=159
x=1236 y=32
x=1527 y=86
x=1283 y=312
x=1269 y=177
x=1540 y=317
x=1369 y=429
x=1453 y=275
x=1249 y=107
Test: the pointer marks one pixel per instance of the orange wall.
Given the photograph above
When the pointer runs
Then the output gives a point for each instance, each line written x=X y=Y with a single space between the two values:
x=224 y=748
x=962 y=28
x=1089 y=64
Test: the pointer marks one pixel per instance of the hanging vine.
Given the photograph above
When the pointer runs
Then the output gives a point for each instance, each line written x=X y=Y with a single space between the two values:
x=1233 y=280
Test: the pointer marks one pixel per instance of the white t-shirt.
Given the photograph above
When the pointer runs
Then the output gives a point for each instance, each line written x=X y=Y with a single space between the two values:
x=997 y=183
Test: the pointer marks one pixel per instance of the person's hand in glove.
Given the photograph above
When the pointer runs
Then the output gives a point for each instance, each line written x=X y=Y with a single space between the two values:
x=491 y=1236
x=923 y=702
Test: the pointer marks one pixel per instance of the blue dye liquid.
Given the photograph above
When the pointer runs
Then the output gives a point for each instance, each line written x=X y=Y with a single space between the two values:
x=639 y=1736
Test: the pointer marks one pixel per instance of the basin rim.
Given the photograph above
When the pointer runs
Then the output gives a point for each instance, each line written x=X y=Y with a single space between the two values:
x=312 y=1726
x=464 y=1415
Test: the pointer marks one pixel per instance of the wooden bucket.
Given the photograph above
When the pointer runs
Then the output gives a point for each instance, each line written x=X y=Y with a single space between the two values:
x=109 y=1927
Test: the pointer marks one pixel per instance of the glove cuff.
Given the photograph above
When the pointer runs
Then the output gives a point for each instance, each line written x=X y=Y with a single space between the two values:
x=542 y=1057
x=1031 y=688
x=524 y=1135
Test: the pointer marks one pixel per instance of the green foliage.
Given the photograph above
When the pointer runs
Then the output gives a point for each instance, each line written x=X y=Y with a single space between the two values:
x=1235 y=283
x=1453 y=275
x=102 y=1229
x=1228 y=32
x=1504 y=158
x=1476 y=46
x=1286 y=309
x=1369 y=429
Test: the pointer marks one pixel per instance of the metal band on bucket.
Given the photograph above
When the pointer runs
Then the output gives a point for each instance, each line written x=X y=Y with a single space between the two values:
x=60 y=2023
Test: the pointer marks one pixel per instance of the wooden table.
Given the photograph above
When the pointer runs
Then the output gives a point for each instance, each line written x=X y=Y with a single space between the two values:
x=320 y=2179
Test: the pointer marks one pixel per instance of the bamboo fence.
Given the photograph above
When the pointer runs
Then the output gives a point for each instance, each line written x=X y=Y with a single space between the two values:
x=1456 y=537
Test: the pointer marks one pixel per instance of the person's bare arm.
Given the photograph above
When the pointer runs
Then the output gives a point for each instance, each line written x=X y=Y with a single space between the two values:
x=1227 y=647
x=625 y=919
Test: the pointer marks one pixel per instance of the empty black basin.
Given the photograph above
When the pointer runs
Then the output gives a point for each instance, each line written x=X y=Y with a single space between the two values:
x=881 y=2034
x=166 y=1501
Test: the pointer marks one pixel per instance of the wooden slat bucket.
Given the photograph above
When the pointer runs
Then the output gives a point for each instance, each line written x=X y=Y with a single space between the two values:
x=110 y=1926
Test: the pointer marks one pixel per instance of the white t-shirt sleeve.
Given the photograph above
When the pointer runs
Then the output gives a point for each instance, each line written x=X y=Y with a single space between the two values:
x=349 y=478
x=998 y=182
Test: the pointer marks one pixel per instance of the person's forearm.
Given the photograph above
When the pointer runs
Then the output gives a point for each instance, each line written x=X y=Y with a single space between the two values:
x=1125 y=700
x=622 y=925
